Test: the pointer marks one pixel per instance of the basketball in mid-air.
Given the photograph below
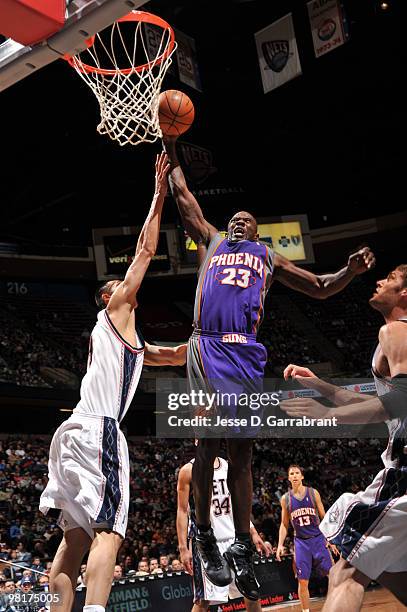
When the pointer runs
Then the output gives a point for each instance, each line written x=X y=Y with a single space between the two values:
x=176 y=112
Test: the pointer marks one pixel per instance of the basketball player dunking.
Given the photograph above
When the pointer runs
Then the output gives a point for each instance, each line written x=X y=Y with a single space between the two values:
x=370 y=527
x=88 y=460
x=302 y=506
x=233 y=282
x=221 y=517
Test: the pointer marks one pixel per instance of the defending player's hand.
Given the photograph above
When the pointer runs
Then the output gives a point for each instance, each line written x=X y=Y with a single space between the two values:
x=162 y=167
x=292 y=371
x=280 y=552
x=333 y=549
x=185 y=556
x=361 y=261
x=262 y=547
x=304 y=406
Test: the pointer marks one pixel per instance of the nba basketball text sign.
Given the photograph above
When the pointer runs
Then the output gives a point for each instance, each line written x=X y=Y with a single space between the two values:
x=327 y=25
x=278 y=54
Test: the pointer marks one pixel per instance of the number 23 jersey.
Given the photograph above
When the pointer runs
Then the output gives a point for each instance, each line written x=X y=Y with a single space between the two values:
x=233 y=283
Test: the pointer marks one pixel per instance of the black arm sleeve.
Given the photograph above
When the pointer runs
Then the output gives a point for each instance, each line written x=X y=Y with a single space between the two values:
x=395 y=401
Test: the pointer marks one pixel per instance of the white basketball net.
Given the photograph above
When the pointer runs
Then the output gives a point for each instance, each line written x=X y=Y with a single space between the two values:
x=128 y=98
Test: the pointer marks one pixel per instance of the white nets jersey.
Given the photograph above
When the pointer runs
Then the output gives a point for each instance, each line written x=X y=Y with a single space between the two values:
x=395 y=426
x=114 y=370
x=221 y=514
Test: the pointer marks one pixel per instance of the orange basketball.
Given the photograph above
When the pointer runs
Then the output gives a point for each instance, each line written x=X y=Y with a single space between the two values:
x=176 y=112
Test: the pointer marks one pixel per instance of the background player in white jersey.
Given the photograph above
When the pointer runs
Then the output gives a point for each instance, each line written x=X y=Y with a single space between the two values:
x=221 y=517
x=303 y=507
x=370 y=528
x=88 y=462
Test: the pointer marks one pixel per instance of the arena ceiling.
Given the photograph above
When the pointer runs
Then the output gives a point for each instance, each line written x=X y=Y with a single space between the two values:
x=330 y=143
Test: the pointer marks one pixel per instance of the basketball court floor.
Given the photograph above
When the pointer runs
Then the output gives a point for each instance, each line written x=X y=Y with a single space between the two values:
x=378 y=599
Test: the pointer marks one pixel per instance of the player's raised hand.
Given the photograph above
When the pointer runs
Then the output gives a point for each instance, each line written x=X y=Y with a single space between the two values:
x=186 y=560
x=304 y=406
x=280 y=552
x=292 y=371
x=361 y=261
x=161 y=170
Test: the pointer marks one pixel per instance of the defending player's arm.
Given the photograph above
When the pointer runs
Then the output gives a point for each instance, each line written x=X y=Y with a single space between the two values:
x=183 y=490
x=322 y=286
x=123 y=300
x=335 y=394
x=393 y=342
x=191 y=213
x=282 y=534
x=155 y=355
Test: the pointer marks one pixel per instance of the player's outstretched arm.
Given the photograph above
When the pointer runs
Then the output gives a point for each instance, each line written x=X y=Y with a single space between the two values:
x=155 y=355
x=322 y=286
x=393 y=342
x=335 y=394
x=191 y=213
x=124 y=299
x=282 y=534
x=183 y=490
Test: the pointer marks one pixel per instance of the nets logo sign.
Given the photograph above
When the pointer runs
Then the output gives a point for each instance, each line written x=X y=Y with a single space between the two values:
x=276 y=53
x=197 y=162
x=120 y=249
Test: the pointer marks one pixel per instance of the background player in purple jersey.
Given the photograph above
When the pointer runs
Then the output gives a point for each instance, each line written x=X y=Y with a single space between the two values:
x=233 y=282
x=302 y=506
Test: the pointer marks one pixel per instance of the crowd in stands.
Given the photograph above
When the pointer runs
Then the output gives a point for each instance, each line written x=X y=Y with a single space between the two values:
x=349 y=322
x=285 y=344
x=31 y=539
x=29 y=358
x=36 y=348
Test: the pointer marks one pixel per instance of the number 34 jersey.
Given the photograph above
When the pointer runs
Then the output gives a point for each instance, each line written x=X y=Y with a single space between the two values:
x=232 y=286
x=221 y=514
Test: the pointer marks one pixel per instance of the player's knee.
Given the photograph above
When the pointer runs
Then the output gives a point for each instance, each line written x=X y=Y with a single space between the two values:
x=338 y=573
x=342 y=572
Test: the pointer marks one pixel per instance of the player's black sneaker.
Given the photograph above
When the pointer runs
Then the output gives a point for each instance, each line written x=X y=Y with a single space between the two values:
x=240 y=559
x=214 y=565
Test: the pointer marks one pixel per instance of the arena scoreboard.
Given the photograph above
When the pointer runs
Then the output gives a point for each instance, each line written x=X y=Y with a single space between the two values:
x=114 y=247
x=287 y=235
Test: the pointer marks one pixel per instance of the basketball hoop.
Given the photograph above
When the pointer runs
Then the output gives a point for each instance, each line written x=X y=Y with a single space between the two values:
x=128 y=95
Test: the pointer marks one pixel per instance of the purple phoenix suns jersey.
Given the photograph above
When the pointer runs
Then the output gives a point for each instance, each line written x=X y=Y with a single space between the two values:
x=233 y=283
x=304 y=514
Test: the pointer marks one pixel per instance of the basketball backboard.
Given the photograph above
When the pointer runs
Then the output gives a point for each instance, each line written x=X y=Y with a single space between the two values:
x=83 y=19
